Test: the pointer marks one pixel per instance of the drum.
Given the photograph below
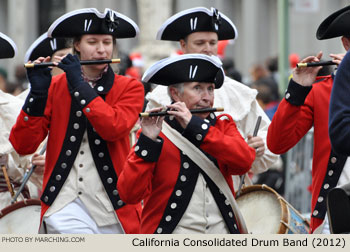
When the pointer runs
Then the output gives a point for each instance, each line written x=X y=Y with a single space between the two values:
x=266 y=212
x=22 y=217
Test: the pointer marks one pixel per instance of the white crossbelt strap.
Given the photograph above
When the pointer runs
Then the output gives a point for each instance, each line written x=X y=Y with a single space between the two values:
x=207 y=166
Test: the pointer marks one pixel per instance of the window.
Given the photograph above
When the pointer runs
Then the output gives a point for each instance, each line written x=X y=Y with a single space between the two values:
x=49 y=11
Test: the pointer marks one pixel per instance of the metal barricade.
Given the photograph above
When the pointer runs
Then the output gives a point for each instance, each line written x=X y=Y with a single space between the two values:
x=298 y=169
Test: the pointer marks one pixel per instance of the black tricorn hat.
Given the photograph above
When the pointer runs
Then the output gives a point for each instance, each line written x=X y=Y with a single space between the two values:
x=186 y=68
x=197 y=20
x=91 y=21
x=44 y=46
x=335 y=25
x=8 y=48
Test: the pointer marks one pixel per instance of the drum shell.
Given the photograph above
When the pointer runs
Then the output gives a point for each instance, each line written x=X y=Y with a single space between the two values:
x=290 y=220
x=22 y=217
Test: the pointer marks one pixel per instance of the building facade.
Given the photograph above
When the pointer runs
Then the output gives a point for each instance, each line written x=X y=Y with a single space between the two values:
x=256 y=21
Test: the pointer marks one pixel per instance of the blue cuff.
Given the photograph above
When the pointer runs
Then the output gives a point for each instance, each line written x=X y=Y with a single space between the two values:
x=84 y=94
x=35 y=103
x=147 y=149
x=296 y=93
x=196 y=130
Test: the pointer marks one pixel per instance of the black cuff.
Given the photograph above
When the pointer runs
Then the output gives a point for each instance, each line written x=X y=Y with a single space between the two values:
x=147 y=149
x=196 y=130
x=296 y=93
x=35 y=103
x=84 y=94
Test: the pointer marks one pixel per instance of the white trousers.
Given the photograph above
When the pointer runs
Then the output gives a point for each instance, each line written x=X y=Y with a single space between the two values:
x=74 y=218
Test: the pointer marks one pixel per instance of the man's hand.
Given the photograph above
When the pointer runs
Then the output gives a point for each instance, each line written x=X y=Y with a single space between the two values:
x=337 y=58
x=39 y=78
x=151 y=126
x=258 y=144
x=39 y=161
x=181 y=112
x=71 y=65
x=306 y=76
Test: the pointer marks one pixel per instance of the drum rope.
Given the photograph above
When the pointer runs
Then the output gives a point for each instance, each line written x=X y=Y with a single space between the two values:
x=288 y=226
x=297 y=212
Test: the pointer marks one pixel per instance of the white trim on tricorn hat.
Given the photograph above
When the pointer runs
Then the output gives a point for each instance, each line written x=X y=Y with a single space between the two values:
x=44 y=46
x=335 y=25
x=186 y=68
x=197 y=20
x=91 y=21
x=8 y=48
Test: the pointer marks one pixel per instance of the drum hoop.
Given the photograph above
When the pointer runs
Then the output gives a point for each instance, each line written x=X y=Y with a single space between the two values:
x=284 y=209
x=17 y=205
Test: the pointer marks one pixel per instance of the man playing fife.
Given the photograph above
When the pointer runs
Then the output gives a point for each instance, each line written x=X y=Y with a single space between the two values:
x=179 y=193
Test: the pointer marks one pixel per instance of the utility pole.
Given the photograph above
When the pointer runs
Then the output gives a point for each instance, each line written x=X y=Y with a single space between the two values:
x=283 y=44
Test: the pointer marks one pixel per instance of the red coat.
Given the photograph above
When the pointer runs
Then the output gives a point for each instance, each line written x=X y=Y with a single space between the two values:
x=112 y=120
x=291 y=122
x=157 y=177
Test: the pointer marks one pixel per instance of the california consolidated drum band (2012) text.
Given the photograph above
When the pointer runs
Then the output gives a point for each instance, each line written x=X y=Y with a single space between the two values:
x=274 y=241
